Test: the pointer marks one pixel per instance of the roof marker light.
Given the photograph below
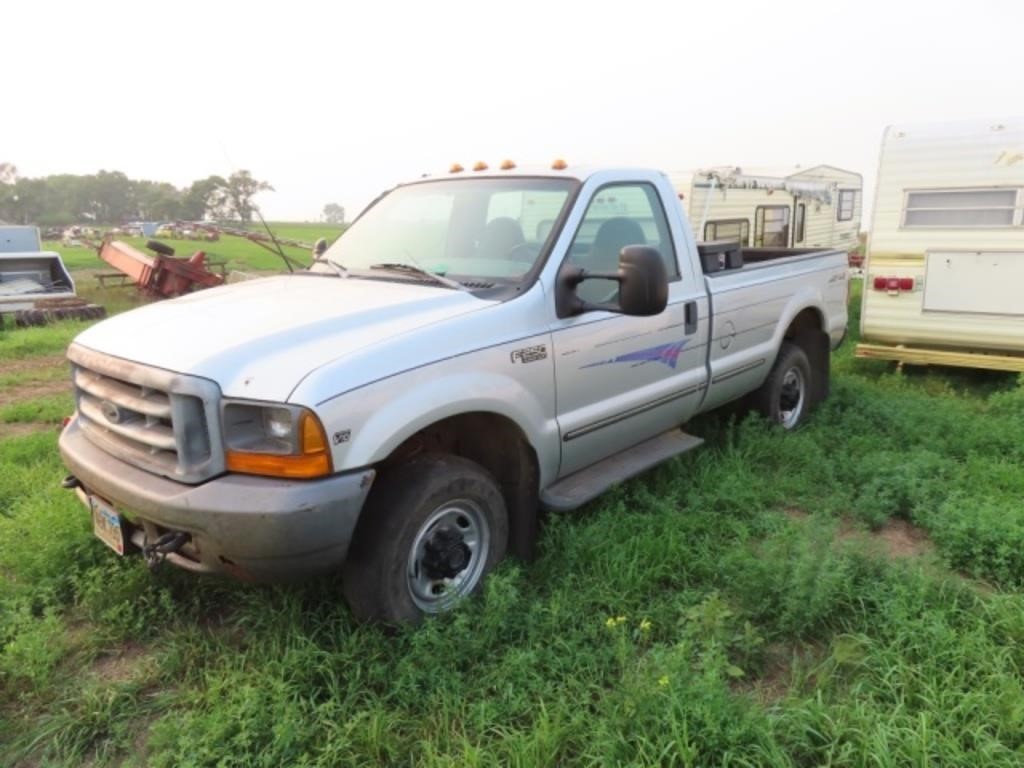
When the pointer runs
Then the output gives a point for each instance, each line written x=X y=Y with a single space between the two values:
x=456 y=168
x=559 y=165
x=507 y=165
x=479 y=165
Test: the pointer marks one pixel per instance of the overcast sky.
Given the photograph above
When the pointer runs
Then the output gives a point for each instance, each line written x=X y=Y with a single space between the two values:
x=332 y=102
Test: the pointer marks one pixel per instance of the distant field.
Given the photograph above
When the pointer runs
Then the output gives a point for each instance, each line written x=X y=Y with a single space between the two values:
x=239 y=253
x=851 y=594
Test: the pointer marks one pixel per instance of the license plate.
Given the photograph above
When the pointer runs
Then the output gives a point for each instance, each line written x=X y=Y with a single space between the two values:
x=107 y=524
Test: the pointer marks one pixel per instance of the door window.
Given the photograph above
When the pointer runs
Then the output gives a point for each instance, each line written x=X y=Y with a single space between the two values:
x=619 y=215
x=847 y=204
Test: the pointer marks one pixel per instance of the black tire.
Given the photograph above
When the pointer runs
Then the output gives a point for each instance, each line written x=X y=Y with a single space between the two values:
x=777 y=392
x=381 y=572
x=157 y=247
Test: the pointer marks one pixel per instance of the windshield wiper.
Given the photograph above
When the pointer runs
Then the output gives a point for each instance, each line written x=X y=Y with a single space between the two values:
x=339 y=270
x=412 y=269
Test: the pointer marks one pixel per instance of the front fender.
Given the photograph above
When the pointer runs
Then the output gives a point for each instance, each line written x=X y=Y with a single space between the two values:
x=393 y=411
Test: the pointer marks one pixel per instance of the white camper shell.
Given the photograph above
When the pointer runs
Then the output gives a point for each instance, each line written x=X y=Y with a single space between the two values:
x=818 y=207
x=945 y=268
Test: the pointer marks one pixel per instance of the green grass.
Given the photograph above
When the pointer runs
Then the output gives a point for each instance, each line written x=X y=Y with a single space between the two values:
x=750 y=634
x=22 y=343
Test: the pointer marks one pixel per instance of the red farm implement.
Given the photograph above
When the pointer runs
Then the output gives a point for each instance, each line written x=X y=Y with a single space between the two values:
x=162 y=274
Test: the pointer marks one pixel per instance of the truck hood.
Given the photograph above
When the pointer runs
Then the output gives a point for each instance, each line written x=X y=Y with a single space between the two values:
x=260 y=338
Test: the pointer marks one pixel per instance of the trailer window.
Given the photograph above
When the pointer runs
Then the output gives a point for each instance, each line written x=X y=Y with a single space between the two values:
x=801 y=217
x=728 y=229
x=771 y=226
x=960 y=208
x=847 y=204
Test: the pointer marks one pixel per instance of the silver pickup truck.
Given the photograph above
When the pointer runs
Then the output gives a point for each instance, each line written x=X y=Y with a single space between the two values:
x=479 y=346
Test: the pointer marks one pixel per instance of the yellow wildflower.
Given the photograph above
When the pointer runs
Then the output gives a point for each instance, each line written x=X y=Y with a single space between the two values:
x=663 y=681
x=645 y=625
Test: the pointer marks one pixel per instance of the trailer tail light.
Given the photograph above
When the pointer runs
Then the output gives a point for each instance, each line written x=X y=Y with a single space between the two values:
x=893 y=284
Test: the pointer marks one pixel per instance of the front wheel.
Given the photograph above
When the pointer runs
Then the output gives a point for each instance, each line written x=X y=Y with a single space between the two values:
x=785 y=396
x=432 y=529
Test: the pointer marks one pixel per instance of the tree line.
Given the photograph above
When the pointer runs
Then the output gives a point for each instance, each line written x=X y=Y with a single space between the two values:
x=110 y=197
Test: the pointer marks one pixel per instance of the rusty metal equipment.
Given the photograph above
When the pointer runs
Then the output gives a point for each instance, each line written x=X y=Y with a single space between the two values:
x=161 y=275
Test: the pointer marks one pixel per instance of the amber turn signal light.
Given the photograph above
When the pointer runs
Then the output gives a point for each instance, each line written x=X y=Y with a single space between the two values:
x=313 y=459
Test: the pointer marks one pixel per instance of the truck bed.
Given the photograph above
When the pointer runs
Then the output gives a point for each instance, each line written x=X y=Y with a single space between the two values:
x=720 y=257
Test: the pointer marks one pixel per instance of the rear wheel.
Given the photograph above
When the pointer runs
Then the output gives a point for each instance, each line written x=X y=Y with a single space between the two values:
x=432 y=529
x=784 y=398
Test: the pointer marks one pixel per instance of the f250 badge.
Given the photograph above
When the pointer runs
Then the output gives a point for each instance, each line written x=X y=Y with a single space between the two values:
x=529 y=354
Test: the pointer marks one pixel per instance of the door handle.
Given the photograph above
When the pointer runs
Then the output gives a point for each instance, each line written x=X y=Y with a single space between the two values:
x=690 y=317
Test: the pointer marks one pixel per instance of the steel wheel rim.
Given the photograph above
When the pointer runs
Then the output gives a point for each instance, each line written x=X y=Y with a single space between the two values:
x=460 y=520
x=792 y=395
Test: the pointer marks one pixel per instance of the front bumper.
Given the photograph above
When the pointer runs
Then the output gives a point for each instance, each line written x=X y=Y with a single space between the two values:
x=255 y=528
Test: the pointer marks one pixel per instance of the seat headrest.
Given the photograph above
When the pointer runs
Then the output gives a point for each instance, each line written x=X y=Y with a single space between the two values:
x=501 y=235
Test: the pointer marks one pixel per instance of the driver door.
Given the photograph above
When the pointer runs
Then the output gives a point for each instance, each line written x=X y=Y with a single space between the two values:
x=620 y=380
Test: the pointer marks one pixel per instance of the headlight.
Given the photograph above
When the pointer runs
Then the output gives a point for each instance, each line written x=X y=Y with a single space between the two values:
x=275 y=440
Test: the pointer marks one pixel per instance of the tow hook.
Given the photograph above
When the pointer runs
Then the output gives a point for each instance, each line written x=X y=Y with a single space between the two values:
x=168 y=544
x=70 y=483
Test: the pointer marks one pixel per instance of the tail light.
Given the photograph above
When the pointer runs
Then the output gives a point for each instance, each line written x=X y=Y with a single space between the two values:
x=893 y=284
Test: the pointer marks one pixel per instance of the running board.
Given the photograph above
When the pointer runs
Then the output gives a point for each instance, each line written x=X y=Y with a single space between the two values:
x=590 y=482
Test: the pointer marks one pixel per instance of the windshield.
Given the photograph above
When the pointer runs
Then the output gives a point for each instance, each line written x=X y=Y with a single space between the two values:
x=484 y=229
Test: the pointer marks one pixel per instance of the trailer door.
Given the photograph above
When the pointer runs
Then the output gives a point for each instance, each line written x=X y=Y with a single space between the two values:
x=987 y=282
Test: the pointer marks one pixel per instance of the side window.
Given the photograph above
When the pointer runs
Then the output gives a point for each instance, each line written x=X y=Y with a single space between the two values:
x=960 y=208
x=619 y=215
x=728 y=229
x=771 y=226
x=801 y=217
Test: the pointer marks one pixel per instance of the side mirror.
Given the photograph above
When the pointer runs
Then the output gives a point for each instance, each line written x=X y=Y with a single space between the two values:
x=642 y=279
x=643 y=282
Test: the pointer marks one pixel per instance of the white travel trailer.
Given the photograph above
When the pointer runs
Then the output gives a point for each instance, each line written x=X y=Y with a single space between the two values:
x=818 y=207
x=945 y=266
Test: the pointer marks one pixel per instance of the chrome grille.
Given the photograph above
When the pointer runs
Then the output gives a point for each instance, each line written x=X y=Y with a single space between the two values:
x=157 y=420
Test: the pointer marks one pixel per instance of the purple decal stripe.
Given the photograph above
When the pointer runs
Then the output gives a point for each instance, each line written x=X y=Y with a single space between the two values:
x=667 y=354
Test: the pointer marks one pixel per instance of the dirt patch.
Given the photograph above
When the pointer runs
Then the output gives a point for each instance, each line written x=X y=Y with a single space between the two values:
x=122 y=664
x=897 y=539
x=22 y=393
x=903 y=539
x=19 y=429
x=39 y=363
x=785 y=665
